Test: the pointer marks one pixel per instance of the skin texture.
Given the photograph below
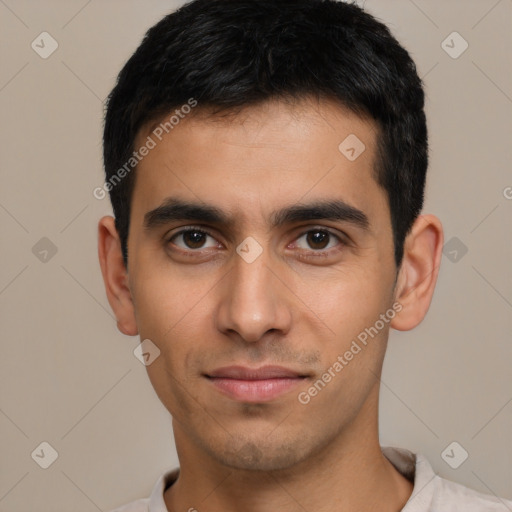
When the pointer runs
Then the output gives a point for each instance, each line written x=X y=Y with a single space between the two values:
x=298 y=305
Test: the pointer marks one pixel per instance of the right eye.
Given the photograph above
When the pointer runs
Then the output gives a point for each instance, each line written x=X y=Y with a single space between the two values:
x=192 y=239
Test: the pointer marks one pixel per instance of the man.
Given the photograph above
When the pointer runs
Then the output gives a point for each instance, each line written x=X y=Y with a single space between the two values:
x=266 y=163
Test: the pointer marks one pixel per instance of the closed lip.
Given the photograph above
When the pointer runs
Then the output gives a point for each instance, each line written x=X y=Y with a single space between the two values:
x=262 y=373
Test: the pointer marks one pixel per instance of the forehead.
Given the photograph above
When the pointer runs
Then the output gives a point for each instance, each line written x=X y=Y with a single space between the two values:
x=264 y=156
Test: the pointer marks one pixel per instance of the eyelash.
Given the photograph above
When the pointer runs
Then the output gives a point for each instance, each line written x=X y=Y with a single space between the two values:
x=312 y=253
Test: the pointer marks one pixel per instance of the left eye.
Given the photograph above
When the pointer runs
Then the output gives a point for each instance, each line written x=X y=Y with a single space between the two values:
x=317 y=239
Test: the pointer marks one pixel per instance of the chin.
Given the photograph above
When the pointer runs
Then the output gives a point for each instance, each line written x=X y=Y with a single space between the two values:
x=259 y=455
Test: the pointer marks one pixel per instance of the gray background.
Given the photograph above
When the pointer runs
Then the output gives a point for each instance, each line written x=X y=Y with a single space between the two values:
x=69 y=378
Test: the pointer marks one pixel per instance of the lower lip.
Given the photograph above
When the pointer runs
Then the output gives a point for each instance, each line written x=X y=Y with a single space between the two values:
x=255 y=390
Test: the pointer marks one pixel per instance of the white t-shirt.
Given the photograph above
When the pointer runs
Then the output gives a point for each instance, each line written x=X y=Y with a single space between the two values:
x=431 y=493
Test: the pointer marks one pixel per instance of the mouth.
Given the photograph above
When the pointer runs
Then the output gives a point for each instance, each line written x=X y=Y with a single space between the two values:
x=255 y=385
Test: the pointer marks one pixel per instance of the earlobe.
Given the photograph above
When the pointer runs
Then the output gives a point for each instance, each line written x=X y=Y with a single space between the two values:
x=115 y=276
x=419 y=271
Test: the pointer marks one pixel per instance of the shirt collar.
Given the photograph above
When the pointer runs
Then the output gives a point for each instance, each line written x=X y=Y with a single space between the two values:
x=156 y=499
x=417 y=469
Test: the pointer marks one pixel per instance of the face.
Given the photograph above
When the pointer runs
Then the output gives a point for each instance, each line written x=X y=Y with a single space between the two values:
x=258 y=255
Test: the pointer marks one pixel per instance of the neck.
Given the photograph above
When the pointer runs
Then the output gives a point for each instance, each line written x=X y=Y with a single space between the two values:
x=349 y=474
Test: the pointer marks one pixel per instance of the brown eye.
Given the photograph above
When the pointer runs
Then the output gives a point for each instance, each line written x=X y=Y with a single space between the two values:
x=191 y=239
x=318 y=240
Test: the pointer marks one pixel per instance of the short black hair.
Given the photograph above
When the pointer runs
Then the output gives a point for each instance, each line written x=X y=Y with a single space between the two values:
x=228 y=54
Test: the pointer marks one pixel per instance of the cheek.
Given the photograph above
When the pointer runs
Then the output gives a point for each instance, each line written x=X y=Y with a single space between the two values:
x=176 y=323
x=172 y=314
x=349 y=304
x=346 y=301
x=166 y=300
x=352 y=350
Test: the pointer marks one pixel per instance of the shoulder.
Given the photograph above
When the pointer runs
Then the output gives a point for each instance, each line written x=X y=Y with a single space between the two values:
x=155 y=502
x=451 y=497
x=134 y=506
x=432 y=493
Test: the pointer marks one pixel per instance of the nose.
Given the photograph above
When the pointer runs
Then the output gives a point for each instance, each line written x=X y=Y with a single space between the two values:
x=254 y=301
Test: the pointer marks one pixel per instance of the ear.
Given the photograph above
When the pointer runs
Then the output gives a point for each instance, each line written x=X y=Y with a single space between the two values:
x=418 y=272
x=115 y=276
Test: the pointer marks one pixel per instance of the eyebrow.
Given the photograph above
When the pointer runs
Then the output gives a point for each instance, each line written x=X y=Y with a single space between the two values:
x=173 y=209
